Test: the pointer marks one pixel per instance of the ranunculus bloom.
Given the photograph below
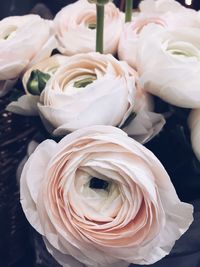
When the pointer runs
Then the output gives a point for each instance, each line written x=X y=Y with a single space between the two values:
x=102 y=198
x=91 y=89
x=75 y=28
x=95 y=89
x=194 y=124
x=24 y=40
x=169 y=65
x=164 y=14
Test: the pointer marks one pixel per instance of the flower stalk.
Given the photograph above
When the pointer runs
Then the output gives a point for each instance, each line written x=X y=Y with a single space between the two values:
x=128 y=10
x=100 y=27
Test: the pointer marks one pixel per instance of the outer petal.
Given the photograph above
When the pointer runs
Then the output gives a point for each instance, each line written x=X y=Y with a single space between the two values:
x=31 y=179
x=64 y=259
x=71 y=119
x=145 y=126
x=175 y=79
x=25 y=105
x=45 y=51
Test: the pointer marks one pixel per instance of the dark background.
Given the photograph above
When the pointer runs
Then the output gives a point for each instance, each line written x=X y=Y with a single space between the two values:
x=20 y=7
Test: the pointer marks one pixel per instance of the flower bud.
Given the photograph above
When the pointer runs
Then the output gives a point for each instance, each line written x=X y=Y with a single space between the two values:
x=37 y=82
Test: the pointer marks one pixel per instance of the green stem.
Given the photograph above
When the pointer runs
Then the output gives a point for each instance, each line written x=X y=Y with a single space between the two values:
x=100 y=26
x=128 y=10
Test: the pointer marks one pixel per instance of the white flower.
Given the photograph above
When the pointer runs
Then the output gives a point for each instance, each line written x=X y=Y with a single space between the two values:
x=194 y=124
x=169 y=65
x=21 y=38
x=95 y=89
x=102 y=198
x=75 y=28
x=164 y=15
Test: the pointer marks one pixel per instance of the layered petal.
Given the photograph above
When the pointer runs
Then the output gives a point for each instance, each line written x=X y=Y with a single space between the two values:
x=75 y=28
x=21 y=37
x=70 y=103
x=171 y=70
x=164 y=15
x=103 y=199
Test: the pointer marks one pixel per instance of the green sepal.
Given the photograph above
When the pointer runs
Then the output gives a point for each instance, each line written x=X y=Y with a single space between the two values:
x=37 y=82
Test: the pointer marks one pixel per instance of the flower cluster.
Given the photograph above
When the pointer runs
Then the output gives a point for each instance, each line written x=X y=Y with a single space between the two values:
x=99 y=197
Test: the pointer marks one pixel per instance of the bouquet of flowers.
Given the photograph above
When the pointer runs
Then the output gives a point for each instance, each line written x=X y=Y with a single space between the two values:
x=107 y=88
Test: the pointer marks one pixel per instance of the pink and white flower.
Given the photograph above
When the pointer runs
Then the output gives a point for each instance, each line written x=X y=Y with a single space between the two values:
x=164 y=15
x=99 y=198
x=21 y=37
x=75 y=28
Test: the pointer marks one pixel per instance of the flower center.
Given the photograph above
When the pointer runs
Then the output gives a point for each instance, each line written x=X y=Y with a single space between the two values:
x=8 y=33
x=96 y=183
x=92 y=26
x=184 y=50
x=85 y=81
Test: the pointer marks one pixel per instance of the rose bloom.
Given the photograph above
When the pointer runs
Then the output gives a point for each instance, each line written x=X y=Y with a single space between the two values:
x=194 y=125
x=102 y=198
x=95 y=89
x=164 y=14
x=75 y=28
x=169 y=65
x=21 y=38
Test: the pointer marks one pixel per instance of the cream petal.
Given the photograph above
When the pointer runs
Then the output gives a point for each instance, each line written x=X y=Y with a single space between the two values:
x=70 y=31
x=31 y=179
x=172 y=88
x=45 y=51
x=65 y=107
x=22 y=45
x=25 y=105
x=64 y=259
x=145 y=126
x=166 y=81
x=148 y=221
